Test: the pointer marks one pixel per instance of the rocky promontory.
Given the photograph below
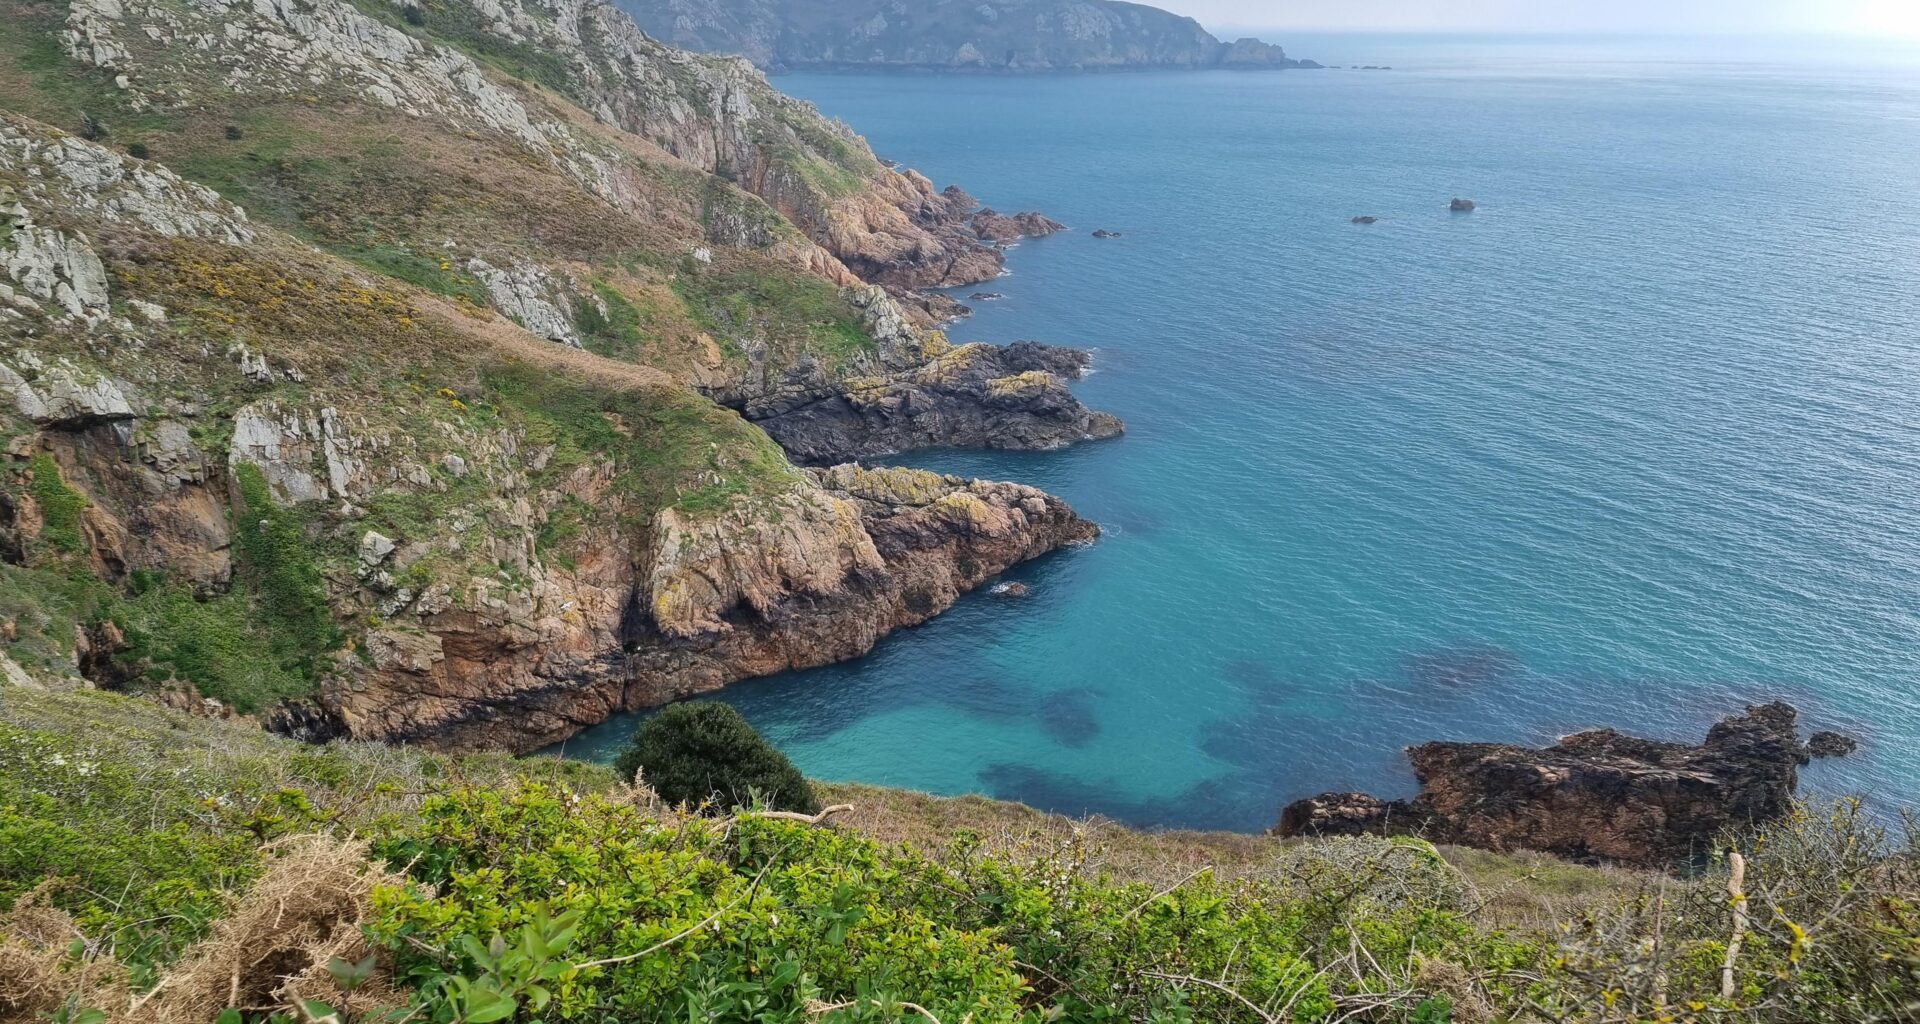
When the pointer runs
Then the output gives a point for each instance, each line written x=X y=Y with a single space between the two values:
x=816 y=578
x=1596 y=795
x=976 y=395
x=951 y=35
x=505 y=479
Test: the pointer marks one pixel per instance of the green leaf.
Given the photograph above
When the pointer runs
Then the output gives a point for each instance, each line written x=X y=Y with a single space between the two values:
x=499 y=1010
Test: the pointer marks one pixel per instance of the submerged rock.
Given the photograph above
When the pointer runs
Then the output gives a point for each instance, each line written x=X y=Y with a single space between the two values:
x=985 y=296
x=1104 y=233
x=1596 y=795
x=1010 y=589
x=1365 y=220
x=1461 y=205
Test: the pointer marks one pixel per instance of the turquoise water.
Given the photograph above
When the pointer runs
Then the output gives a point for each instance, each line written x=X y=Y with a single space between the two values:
x=1635 y=444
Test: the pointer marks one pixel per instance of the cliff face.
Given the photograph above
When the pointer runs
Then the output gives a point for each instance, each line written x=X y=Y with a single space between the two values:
x=818 y=578
x=1594 y=795
x=949 y=35
x=435 y=421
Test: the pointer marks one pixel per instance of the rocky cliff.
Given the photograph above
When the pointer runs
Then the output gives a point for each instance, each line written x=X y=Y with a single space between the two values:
x=950 y=35
x=432 y=418
x=1595 y=795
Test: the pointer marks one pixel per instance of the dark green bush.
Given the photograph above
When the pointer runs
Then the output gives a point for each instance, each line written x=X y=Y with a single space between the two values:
x=691 y=752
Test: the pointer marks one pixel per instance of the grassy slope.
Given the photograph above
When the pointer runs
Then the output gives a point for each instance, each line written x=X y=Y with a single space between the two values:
x=399 y=195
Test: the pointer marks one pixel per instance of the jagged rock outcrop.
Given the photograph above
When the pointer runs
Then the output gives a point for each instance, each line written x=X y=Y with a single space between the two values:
x=950 y=35
x=976 y=395
x=1595 y=795
x=818 y=578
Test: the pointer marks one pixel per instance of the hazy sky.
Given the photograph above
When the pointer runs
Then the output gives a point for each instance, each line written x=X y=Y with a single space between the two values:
x=1871 y=17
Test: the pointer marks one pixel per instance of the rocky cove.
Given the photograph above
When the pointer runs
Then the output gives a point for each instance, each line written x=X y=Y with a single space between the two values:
x=522 y=483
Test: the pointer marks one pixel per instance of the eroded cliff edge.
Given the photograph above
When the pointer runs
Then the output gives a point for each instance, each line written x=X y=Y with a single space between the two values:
x=455 y=443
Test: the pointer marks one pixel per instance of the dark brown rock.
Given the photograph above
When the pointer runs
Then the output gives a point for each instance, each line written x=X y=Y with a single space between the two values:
x=1831 y=744
x=1011 y=397
x=1596 y=795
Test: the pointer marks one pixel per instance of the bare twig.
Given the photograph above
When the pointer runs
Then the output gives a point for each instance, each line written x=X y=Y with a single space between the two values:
x=804 y=819
x=1217 y=987
x=1168 y=891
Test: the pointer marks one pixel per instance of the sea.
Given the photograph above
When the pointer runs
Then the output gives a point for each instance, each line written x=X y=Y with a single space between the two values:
x=1635 y=443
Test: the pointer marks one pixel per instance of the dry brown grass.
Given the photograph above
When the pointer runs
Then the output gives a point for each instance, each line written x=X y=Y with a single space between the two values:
x=270 y=952
x=1525 y=891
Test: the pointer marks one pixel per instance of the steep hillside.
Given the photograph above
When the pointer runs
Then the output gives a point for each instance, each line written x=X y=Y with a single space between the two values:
x=410 y=430
x=599 y=188
x=950 y=35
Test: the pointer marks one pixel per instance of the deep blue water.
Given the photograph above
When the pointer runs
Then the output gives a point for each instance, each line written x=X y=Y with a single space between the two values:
x=1636 y=443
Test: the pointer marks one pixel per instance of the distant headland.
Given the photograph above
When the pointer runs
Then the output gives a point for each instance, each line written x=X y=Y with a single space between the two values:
x=951 y=35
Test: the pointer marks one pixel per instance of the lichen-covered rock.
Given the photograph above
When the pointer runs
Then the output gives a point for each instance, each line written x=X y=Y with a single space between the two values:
x=1595 y=795
x=63 y=396
x=50 y=265
x=806 y=544
x=74 y=177
x=530 y=297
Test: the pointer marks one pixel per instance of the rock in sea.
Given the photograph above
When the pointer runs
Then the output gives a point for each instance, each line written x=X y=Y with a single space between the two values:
x=1010 y=590
x=1103 y=233
x=1461 y=206
x=1831 y=744
x=1595 y=796
x=984 y=296
x=1365 y=220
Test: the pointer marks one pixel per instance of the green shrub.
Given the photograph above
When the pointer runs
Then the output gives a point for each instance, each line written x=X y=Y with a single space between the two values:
x=279 y=565
x=590 y=910
x=692 y=752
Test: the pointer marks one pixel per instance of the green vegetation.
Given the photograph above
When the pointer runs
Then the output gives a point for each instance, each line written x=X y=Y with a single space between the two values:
x=705 y=752
x=800 y=312
x=147 y=856
x=280 y=567
x=670 y=448
x=428 y=273
x=60 y=507
x=616 y=333
x=40 y=80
